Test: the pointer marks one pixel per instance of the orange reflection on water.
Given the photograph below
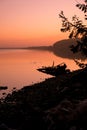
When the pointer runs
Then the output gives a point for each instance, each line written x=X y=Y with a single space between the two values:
x=18 y=67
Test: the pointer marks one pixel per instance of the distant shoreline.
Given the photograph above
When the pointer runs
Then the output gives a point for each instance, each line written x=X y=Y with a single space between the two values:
x=59 y=48
x=11 y=48
x=49 y=48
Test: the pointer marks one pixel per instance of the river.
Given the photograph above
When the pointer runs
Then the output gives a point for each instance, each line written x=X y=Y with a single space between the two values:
x=18 y=67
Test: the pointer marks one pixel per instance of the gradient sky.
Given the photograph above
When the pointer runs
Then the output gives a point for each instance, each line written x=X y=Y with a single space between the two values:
x=33 y=22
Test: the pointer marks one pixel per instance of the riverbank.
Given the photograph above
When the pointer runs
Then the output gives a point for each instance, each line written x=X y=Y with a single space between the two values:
x=54 y=104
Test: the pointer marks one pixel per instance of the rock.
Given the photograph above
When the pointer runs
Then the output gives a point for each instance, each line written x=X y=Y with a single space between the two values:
x=3 y=87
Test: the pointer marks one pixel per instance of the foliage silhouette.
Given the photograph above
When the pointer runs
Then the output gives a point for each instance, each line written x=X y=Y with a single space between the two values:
x=77 y=29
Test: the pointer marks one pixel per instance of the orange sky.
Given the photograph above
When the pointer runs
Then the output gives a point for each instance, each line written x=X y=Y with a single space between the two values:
x=33 y=22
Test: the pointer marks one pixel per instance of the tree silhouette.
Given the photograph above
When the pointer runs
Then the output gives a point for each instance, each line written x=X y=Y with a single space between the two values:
x=77 y=29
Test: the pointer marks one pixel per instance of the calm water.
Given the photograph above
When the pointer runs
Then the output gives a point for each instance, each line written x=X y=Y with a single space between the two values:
x=18 y=67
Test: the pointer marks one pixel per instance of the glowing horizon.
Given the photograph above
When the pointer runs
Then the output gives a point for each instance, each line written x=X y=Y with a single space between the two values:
x=36 y=22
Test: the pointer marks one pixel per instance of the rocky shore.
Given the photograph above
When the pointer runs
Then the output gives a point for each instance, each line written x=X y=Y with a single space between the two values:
x=54 y=104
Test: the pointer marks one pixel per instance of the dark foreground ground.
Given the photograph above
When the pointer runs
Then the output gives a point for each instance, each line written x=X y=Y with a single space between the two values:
x=55 y=104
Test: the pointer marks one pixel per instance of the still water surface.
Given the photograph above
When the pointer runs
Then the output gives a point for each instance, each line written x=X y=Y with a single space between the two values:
x=18 y=67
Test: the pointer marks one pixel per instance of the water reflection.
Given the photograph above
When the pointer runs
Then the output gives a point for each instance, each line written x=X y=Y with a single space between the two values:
x=18 y=67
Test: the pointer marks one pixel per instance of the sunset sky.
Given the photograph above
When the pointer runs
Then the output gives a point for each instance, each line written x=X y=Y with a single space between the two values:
x=33 y=22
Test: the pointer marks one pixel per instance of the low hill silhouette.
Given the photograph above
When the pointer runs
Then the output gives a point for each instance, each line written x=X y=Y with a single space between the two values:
x=62 y=49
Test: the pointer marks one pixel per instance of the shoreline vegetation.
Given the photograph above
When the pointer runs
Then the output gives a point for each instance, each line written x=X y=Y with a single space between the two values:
x=54 y=104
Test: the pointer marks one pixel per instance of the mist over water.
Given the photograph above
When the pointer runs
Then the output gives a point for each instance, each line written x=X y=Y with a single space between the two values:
x=18 y=67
